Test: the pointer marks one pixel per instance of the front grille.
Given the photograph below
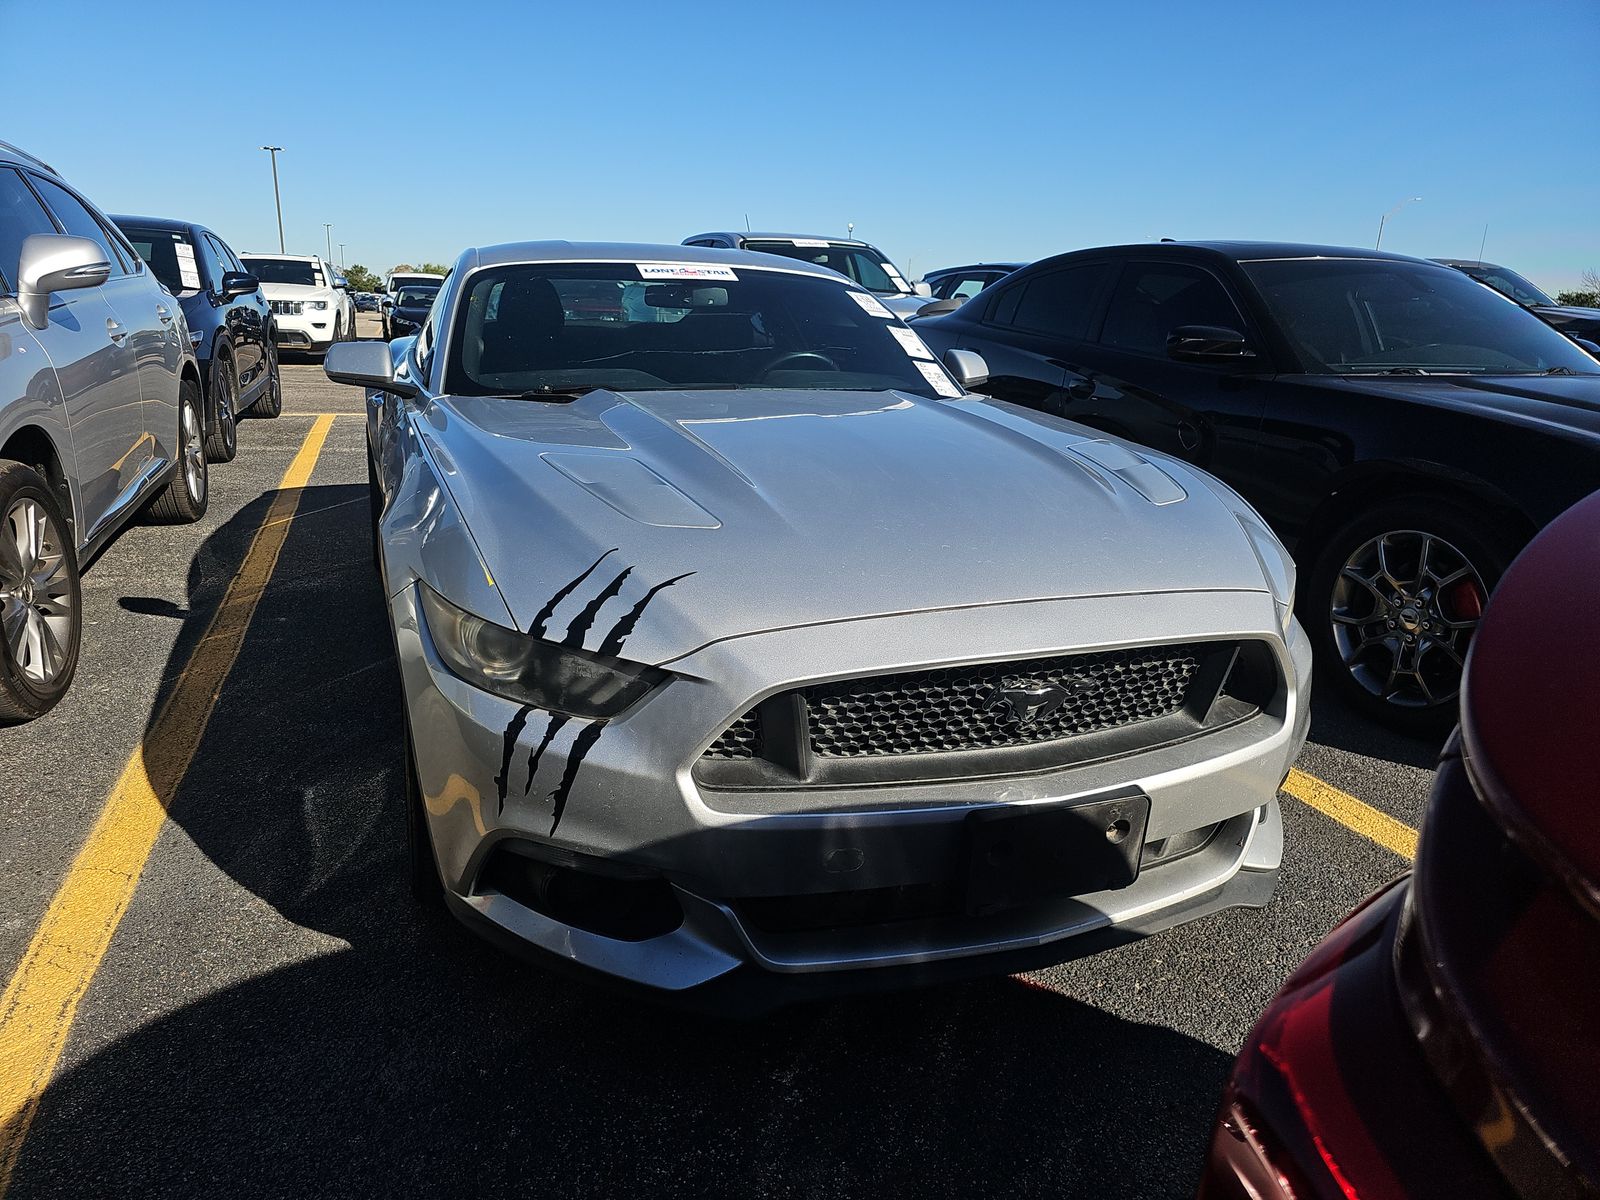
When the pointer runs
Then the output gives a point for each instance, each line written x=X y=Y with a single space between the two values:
x=990 y=718
x=287 y=308
x=963 y=708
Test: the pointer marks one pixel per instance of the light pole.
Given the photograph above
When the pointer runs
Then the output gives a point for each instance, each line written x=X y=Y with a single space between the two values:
x=327 y=228
x=1378 y=245
x=341 y=256
x=276 y=199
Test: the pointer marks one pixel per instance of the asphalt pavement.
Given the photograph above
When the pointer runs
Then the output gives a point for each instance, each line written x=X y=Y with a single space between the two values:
x=274 y=1016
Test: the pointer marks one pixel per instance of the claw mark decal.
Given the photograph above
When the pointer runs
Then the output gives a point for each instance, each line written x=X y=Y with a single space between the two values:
x=557 y=720
x=579 y=628
x=545 y=613
x=581 y=745
x=619 y=632
x=513 y=732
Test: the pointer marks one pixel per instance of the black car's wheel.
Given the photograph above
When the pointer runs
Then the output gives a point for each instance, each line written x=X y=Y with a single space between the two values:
x=41 y=608
x=422 y=871
x=222 y=438
x=184 y=499
x=270 y=402
x=1393 y=601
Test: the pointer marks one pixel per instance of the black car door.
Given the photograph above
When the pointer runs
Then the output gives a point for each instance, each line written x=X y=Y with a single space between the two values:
x=1030 y=330
x=246 y=316
x=1127 y=384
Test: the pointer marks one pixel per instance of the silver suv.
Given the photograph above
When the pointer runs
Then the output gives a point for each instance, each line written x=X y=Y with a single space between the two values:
x=100 y=412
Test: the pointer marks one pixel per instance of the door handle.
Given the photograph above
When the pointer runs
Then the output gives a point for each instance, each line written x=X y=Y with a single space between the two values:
x=116 y=330
x=1081 y=389
x=164 y=313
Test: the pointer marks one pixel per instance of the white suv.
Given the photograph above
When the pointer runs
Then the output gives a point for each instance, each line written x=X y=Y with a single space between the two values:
x=309 y=312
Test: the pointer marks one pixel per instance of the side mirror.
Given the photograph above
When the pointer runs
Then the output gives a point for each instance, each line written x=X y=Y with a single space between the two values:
x=340 y=282
x=238 y=283
x=968 y=367
x=367 y=365
x=56 y=262
x=922 y=289
x=1208 y=343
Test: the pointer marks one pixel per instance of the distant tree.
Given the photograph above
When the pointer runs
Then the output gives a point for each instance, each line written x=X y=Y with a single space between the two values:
x=401 y=267
x=363 y=280
x=432 y=269
x=1579 y=299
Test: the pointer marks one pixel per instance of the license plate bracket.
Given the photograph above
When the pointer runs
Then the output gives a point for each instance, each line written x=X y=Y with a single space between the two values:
x=1022 y=854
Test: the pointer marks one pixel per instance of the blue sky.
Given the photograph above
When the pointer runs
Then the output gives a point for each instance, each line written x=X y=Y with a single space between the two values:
x=946 y=132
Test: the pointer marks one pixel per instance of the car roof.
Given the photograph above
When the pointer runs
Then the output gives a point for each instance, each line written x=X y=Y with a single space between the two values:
x=154 y=222
x=1462 y=264
x=626 y=252
x=274 y=254
x=17 y=154
x=1248 y=251
x=981 y=266
x=782 y=237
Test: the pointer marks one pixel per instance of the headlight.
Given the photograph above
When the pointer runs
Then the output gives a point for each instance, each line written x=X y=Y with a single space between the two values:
x=529 y=670
x=1276 y=564
x=317 y=305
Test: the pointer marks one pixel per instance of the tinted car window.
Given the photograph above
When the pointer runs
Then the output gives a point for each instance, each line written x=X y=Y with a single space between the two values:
x=21 y=216
x=1153 y=299
x=223 y=257
x=1509 y=283
x=1369 y=316
x=864 y=266
x=1060 y=303
x=78 y=220
x=209 y=260
x=963 y=287
x=285 y=270
x=168 y=254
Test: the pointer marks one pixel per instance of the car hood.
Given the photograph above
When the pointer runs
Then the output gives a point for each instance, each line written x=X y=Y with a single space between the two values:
x=295 y=291
x=739 y=512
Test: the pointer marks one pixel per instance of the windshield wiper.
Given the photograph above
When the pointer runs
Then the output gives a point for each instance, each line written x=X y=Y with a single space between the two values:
x=1399 y=371
x=1559 y=371
x=550 y=393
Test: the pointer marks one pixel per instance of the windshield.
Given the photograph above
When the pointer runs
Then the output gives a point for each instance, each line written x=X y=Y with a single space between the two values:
x=866 y=265
x=416 y=297
x=284 y=270
x=1509 y=283
x=169 y=254
x=569 y=326
x=1354 y=316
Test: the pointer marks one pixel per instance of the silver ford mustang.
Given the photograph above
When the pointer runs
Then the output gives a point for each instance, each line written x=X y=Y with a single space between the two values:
x=744 y=651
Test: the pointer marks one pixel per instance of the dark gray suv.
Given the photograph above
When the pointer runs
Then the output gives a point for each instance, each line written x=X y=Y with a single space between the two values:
x=100 y=415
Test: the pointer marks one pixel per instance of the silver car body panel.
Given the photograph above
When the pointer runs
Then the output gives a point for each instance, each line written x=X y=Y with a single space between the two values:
x=753 y=543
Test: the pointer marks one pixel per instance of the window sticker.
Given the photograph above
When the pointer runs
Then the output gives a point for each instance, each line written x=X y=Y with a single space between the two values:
x=188 y=272
x=869 y=304
x=935 y=375
x=914 y=345
x=685 y=271
x=892 y=272
x=819 y=243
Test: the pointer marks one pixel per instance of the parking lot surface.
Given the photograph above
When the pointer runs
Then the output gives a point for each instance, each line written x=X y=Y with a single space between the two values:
x=273 y=1015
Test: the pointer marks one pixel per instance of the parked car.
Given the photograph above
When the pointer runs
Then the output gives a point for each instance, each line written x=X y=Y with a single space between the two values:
x=396 y=280
x=309 y=313
x=101 y=411
x=864 y=263
x=230 y=325
x=1403 y=429
x=1569 y=319
x=963 y=283
x=366 y=302
x=713 y=680
x=410 y=307
x=1441 y=1041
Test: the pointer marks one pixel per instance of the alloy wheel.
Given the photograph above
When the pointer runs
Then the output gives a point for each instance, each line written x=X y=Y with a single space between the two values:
x=36 y=613
x=1404 y=608
x=194 y=454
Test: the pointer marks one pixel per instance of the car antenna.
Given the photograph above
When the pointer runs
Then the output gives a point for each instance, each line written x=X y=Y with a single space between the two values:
x=747 y=222
x=1483 y=241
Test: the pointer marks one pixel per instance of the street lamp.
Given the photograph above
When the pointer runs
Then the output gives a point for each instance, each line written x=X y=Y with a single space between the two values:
x=276 y=199
x=341 y=256
x=1378 y=245
x=327 y=228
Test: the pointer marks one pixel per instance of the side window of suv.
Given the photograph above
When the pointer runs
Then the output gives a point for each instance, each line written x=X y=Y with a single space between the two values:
x=210 y=260
x=78 y=220
x=1153 y=299
x=1058 y=303
x=21 y=216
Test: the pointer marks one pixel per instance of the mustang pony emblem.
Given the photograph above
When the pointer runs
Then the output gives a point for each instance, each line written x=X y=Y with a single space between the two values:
x=1024 y=701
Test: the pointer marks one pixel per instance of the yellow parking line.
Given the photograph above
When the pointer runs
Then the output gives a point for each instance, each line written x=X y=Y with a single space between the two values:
x=1353 y=814
x=39 y=1003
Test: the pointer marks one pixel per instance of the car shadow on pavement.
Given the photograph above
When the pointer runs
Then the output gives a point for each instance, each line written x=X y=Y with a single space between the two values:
x=1335 y=723
x=336 y=1040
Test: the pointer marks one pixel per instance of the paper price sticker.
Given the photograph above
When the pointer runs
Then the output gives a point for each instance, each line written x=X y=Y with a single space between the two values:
x=188 y=272
x=935 y=375
x=869 y=304
x=817 y=243
x=913 y=345
x=684 y=271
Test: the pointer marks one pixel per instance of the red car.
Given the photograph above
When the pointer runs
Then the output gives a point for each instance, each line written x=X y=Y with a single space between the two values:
x=1444 y=1040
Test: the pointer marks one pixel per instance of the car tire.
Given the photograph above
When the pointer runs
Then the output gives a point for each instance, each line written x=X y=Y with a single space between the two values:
x=222 y=437
x=422 y=869
x=1383 y=589
x=184 y=499
x=36 y=555
x=374 y=510
x=270 y=403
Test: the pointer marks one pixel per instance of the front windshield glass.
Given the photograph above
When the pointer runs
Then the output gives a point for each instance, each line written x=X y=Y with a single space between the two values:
x=866 y=265
x=1352 y=316
x=1509 y=283
x=169 y=254
x=416 y=297
x=537 y=327
x=284 y=270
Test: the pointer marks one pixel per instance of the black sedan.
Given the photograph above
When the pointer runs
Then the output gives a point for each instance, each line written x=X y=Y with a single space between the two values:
x=1570 y=319
x=229 y=322
x=1405 y=430
x=411 y=304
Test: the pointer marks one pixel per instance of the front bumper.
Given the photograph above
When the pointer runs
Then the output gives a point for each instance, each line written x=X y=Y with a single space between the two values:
x=632 y=802
x=304 y=331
